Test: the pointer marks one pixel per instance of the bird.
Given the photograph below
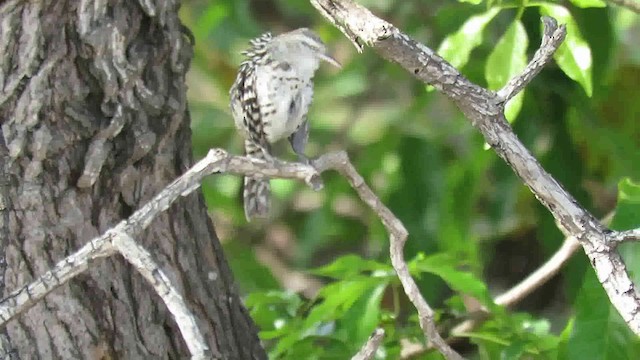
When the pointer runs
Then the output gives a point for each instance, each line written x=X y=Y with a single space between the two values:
x=270 y=99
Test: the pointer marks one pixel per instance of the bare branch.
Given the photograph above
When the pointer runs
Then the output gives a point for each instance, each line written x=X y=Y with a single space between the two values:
x=617 y=237
x=368 y=350
x=217 y=160
x=140 y=258
x=22 y=299
x=397 y=238
x=632 y=5
x=119 y=239
x=113 y=241
x=551 y=39
x=485 y=111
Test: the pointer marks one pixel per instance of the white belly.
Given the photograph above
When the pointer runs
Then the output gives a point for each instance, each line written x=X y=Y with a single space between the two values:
x=284 y=101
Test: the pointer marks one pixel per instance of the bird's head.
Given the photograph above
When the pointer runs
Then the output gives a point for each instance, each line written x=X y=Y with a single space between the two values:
x=301 y=45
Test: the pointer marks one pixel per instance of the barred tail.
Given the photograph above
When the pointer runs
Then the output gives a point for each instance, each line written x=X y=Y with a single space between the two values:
x=257 y=191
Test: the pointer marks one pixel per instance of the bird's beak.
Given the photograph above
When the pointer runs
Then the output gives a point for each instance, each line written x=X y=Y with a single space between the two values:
x=328 y=58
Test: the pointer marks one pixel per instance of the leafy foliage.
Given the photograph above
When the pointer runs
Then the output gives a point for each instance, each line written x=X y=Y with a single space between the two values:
x=475 y=230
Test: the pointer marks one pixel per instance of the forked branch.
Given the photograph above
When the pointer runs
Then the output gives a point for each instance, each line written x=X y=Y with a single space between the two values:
x=485 y=110
x=120 y=240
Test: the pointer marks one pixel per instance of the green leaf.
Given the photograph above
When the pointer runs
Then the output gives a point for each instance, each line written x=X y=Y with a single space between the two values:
x=363 y=317
x=209 y=18
x=493 y=338
x=347 y=266
x=598 y=331
x=457 y=47
x=510 y=336
x=273 y=311
x=514 y=351
x=628 y=207
x=564 y=339
x=289 y=301
x=338 y=298
x=247 y=270
x=628 y=217
x=574 y=55
x=464 y=282
x=319 y=347
x=371 y=316
x=589 y=3
x=508 y=59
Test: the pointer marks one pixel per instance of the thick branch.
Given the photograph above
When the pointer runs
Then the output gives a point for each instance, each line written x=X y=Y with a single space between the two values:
x=142 y=261
x=485 y=110
x=218 y=161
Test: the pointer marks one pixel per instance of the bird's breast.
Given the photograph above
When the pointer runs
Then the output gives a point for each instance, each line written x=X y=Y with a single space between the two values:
x=284 y=100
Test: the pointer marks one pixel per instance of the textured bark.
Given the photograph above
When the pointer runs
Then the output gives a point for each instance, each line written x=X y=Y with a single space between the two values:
x=94 y=123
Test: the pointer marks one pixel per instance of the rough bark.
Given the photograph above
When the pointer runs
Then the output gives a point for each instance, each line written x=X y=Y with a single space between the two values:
x=94 y=123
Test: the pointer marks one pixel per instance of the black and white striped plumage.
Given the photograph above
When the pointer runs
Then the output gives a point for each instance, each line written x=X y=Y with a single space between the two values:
x=270 y=100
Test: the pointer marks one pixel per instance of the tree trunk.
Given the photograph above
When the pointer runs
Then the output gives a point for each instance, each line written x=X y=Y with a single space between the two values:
x=95 y=123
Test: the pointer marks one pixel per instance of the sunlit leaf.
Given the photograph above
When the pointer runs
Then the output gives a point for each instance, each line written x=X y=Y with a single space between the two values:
x=599 y=332
x=457 y=47
x=443 y=265
x=628 y=217
x=628 y=207
x=574 y=55
x=347 y=266
x=364 y=316
x=589 y=3
x=564 y=339
x=338 y=297
x=272 y=310
x=507 y=60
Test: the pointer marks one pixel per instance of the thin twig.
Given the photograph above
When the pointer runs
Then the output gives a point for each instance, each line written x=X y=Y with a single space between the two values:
x=22 y=299
x=368 y=350
x=397 y=238
x=551 y=39
x=485 y=110
x=625 y=236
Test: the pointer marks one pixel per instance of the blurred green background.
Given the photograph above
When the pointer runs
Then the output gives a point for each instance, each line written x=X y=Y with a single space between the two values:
x=474 y=228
